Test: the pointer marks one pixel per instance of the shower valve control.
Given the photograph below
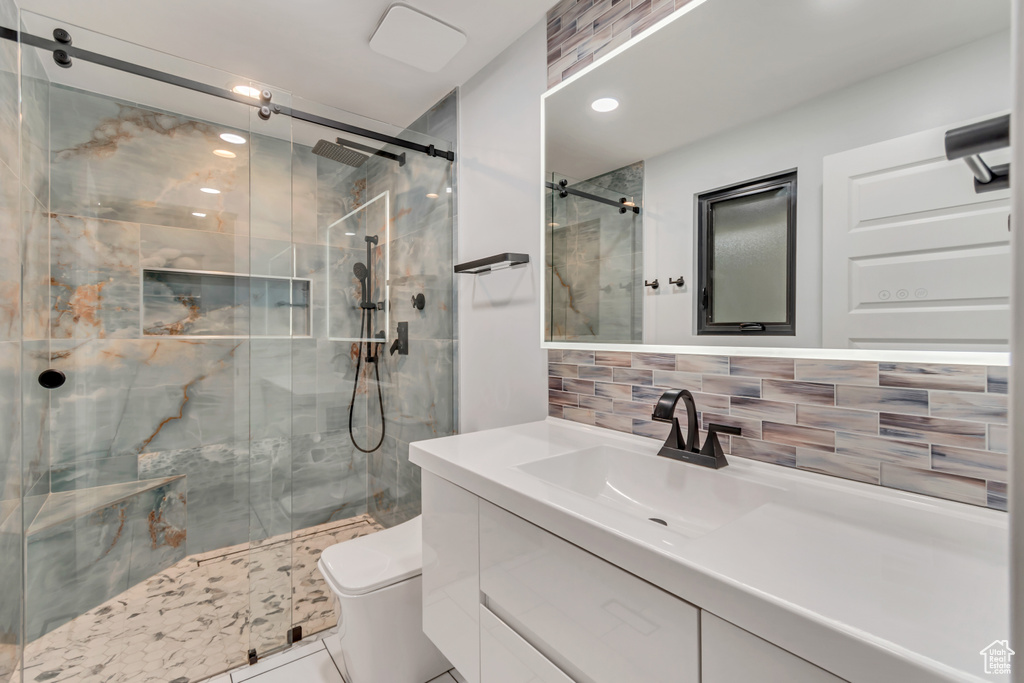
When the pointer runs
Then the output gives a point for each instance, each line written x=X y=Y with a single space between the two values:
x=419 y=301
x=401 y=344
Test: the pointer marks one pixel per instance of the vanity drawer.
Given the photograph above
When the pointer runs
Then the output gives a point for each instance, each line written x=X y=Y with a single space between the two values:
x=507 y=658
x=594 y=621
x=732 y=655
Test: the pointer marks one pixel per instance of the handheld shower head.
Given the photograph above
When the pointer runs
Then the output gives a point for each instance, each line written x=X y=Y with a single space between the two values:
x=363 y=275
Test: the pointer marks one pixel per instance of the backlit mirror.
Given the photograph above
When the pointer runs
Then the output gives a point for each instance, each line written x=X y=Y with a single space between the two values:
x=793 y=173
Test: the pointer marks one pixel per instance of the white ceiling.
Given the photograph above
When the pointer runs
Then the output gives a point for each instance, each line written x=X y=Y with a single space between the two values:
x=316 y=49
x=730 y=62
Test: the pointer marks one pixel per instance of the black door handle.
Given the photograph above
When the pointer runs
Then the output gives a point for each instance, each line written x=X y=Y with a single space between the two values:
x=704 y=298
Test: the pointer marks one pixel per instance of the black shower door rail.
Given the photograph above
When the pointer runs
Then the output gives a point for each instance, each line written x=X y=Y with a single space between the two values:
x=64 y=53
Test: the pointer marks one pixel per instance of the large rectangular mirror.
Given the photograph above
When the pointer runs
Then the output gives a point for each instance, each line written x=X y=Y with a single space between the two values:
x=795 y=173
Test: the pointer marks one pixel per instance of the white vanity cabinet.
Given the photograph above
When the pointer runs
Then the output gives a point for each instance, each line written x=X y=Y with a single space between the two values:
x=508 y=602
x=451 y=577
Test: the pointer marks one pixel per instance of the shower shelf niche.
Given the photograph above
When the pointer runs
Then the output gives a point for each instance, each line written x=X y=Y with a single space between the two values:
x=193 y=303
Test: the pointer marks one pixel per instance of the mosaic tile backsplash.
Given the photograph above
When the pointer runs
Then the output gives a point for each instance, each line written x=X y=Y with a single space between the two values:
x=581 y=31
x=937 y=430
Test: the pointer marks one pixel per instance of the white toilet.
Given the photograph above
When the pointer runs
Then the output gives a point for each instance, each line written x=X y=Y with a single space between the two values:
x=379 y=584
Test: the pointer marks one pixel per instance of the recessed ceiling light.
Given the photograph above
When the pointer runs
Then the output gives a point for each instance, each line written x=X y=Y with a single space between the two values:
x=448 y=190
x=605 y=105
x=224 y=153
x=232 y=138
x=246 y=90
x=350 y=234
x=432 y=195
x=198 y=215
x=209 y=190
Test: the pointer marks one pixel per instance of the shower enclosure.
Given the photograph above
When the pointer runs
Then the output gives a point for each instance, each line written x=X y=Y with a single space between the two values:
x=595 y=257
x=183 y=275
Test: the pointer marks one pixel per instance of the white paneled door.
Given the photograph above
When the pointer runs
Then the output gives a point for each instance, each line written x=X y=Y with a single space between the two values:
x=913 y=257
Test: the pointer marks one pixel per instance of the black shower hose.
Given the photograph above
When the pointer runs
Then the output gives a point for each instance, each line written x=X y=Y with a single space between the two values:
x=365 y=323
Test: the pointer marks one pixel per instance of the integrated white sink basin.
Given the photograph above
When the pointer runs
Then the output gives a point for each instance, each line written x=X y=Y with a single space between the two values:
x=690 y=500
x=873 y=583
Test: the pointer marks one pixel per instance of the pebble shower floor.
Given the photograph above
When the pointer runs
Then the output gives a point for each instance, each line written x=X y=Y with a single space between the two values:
x=190 y=621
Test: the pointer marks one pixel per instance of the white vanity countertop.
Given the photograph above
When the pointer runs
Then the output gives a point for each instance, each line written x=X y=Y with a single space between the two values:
x=869 y=583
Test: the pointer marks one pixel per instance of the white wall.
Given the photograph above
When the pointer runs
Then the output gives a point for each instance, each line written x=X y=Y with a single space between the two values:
x=502 y=369
x=965 y=83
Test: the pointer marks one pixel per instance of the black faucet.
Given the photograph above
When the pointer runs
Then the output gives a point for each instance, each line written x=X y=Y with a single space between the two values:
x=711 y=455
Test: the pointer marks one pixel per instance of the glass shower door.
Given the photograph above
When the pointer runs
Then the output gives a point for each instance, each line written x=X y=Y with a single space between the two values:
x=594 y=257
x=191 y=270
x=279 y=337
x=138 y=288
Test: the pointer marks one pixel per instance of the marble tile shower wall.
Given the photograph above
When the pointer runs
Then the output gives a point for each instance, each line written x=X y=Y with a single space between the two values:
x=257 y=425
x=581 y=31
x=419 y=389
x=252 y=422
x=937 y=430
x=11 y=604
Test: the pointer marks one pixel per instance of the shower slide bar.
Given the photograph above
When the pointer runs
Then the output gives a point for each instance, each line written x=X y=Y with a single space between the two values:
x=968 y=143
x=64 y=52
x=563 y=190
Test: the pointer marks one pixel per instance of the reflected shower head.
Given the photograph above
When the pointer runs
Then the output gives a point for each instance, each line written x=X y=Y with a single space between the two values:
x=360 y=271
x=343 y=155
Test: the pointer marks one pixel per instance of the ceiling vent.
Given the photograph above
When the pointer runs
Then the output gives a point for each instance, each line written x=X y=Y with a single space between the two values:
x=416 y=39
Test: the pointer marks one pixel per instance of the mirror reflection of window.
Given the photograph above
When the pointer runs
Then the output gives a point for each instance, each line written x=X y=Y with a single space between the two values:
x=747 y=251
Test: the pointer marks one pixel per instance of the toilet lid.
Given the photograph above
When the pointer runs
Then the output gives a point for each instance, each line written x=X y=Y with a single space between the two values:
x=379 y=560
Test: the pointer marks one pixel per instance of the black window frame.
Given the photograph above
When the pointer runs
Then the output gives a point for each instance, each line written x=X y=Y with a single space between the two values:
x=705 y=272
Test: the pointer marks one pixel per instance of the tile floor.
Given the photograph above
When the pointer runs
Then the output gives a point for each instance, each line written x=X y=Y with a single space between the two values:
x=192 y=621
x=306 y=663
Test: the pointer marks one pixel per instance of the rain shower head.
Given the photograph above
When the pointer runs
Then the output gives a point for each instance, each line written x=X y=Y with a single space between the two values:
x=360 y=271
x=342 y=155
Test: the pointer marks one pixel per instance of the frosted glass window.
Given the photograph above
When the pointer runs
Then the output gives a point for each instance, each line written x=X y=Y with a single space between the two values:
x=747 y=249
